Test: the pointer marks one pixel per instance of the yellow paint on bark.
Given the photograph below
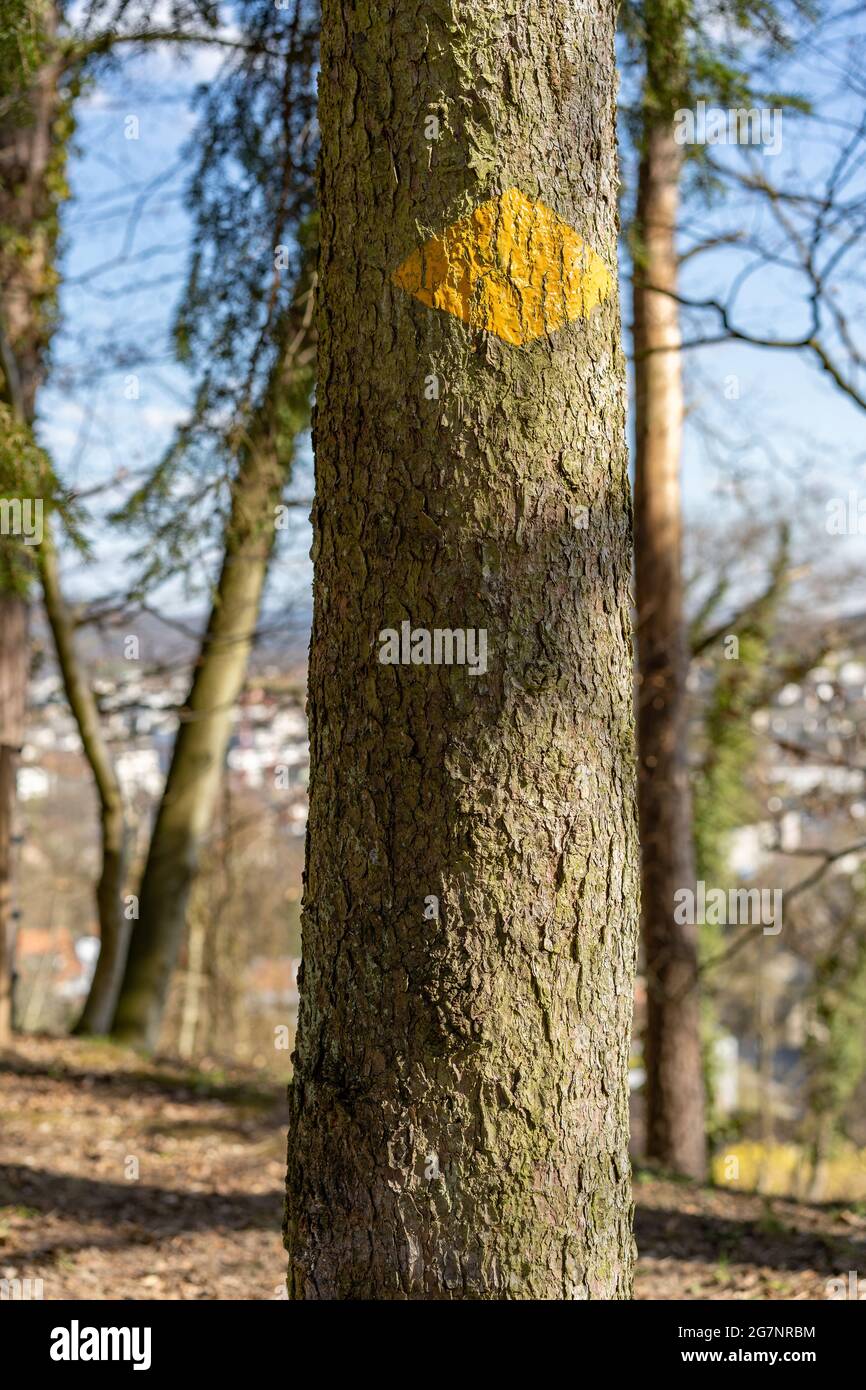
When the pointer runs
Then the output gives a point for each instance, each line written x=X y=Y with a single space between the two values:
x=511 y=267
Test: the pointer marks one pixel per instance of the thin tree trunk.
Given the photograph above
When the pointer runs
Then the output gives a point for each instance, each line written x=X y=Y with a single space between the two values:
x=186 y=809
x=31 y=167
x=114 y=928
x=821 y=1149
x=31 y=150
x=13 y=682
x=7 y=926
x=7 y=941
x=26 y=251
x=460 y=1100
x=835 y=1054
x=766 y=1056
x=193 y=986
x=674 y=1087
x=43 y=979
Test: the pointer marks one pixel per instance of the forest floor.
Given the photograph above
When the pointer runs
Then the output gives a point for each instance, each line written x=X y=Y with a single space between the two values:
x=123 y=1178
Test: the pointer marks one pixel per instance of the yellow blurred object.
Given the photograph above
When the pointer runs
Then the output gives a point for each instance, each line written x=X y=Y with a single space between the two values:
x=785 y=1170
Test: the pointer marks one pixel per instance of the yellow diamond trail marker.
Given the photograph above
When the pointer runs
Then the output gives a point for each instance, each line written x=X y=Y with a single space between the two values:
x=511 y=267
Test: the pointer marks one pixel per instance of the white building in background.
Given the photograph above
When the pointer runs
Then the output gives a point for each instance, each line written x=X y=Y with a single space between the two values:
x=33 y=783
x=248 y=762
x=726 y=1073
x=138 y=770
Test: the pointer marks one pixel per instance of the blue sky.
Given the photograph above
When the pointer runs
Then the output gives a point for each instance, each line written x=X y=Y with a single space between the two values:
x=788 y=431
x=116 y=394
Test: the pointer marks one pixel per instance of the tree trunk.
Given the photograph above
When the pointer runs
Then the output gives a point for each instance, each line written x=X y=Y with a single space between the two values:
x=31 y=167
x=460 y=1101
x=674 y=1087
x=13 y=684
x=193 y=986
x=7 y=926
x=32 y=156
x=191 y=788
x=821 y=1148
x=26 y=322
x=187 y=805
x=835 y=1053
x=114 y=928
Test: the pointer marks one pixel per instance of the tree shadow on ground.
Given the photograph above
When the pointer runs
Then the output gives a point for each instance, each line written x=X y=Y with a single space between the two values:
x=158 y=1211
x=185 y=1087
x=671 y=1234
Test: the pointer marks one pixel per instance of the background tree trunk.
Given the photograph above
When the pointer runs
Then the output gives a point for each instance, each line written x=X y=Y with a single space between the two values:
x=32 y=162
x=13 y=686
x=32 y=158
x=26 y=322
x=460 y=1101
x=674 y=1087
x=114 y=927
x=7 y=935
x=186 y=809
x=196 y=769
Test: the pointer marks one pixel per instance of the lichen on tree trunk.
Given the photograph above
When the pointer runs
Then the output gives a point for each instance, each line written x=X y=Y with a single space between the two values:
x=460 y=1099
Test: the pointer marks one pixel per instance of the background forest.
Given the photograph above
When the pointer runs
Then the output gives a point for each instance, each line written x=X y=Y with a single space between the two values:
x=159 y=244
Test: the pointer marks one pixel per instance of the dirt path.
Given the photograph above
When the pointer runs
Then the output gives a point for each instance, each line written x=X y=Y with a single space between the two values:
x=127 y=1179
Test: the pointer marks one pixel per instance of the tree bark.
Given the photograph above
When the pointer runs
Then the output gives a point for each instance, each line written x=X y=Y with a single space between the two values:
x=191 y=788
x=835 y=1054
x=28 y=158
x=7 y=936
x=460 y=1098
x=187 y=805
x=32 y=157
x=114 y=928
x=674 y=1086
x=26 y=322
x=193 y=986
x=13 y=683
